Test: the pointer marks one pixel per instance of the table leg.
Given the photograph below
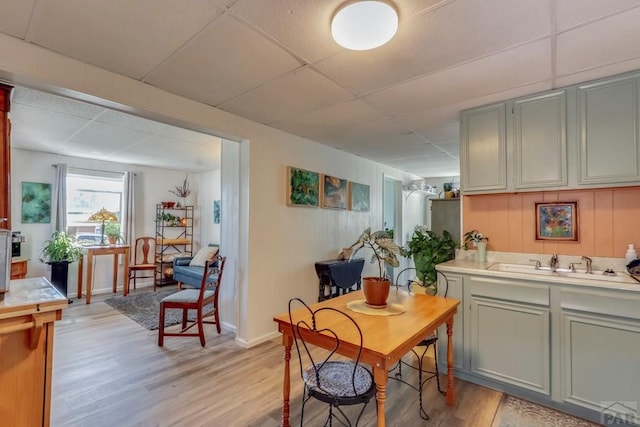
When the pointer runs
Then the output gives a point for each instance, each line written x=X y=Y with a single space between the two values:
x=381 y=378
x=115 y=272
x=287 y=341
x=80 y=265
x=125 y=285
x=89 y=277
x=451 y=398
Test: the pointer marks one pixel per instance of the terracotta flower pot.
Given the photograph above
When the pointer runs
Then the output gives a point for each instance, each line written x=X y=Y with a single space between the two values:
x=376 y=291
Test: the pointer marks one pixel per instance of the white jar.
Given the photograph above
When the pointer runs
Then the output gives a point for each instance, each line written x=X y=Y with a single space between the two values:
x=631 y=254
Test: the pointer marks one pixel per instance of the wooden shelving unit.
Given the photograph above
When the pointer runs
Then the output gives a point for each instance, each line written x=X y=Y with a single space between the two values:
x=172 y=240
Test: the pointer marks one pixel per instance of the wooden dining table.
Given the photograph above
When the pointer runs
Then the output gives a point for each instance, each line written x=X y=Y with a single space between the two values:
x=385 y=338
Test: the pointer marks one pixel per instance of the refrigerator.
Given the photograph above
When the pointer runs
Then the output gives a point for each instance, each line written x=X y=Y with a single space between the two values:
x=445 y=215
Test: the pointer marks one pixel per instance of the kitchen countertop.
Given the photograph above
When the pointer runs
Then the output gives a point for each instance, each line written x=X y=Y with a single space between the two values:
x=463 y=266
x=28 y=296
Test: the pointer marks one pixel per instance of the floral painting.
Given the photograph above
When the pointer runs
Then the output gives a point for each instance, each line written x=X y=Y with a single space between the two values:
x=557 y=221
x=216 y=211
x=334 y=192
x=36 y=203
x=303 y=187
x=359 y=200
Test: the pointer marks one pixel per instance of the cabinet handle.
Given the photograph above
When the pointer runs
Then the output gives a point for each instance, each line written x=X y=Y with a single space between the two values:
x=36 y=329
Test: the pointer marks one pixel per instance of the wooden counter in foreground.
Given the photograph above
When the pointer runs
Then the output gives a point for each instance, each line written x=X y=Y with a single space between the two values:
x=27 y=315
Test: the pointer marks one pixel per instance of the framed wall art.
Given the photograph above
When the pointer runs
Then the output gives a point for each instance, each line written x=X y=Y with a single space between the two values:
x=359 y=197
x=334 y=192
x=303 y=187
x=216 y=211
x=36 y=203
x=557 y=221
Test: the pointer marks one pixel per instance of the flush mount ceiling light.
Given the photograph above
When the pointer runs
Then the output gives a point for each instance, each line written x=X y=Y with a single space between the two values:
x=364 y=25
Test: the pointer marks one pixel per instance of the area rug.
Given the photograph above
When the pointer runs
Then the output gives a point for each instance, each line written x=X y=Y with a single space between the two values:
x=514 y=412
x=144 y=308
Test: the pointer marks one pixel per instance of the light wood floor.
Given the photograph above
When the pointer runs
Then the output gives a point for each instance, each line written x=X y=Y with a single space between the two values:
x=109 y=371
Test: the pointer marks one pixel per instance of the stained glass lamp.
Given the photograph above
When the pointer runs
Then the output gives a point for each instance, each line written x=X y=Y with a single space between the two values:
x=103 y=216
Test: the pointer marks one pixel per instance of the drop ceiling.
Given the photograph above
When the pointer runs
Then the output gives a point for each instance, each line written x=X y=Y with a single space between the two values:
x=273 y=61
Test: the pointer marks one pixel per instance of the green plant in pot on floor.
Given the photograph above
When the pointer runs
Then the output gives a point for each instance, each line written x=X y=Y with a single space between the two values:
x=428 y=250
x=59 y=252
x=385 y=251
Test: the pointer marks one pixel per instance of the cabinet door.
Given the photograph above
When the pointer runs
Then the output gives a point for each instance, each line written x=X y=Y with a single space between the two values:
x=509 y=328
x=540 y=141
x=484 y=151
x=608 y=131
x=600 y=341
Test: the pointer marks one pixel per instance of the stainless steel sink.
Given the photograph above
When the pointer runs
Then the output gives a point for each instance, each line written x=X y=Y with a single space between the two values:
x=598 y=275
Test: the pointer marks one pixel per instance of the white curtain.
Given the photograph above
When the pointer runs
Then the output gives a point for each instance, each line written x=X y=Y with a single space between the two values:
x=129 y=208
x=59 y=199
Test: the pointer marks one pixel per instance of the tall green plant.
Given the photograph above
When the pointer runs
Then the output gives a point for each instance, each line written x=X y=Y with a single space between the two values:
x=60 y=248
x=385 y=250
x=428 y=250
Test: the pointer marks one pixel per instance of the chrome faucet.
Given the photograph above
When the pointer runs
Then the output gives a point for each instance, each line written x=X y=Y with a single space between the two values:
x=589 y=261
x=554 y=263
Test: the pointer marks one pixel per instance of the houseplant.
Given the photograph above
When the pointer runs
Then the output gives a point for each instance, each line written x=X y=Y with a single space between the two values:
x=385 y=251
x=59 y=252
x=182 y=191
x=427 y=250
x=169 y=219
x=112 y=231
x=477 y=239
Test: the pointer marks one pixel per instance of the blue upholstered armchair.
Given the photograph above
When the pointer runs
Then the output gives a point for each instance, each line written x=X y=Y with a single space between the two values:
x=186 y=273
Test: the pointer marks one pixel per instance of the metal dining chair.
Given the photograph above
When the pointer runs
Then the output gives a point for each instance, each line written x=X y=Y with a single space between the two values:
x=427 y=343
x=330 y=378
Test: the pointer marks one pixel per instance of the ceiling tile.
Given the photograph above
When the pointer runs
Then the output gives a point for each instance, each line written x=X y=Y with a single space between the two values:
x=296 y=93
x=600 y=43
x=326 y=121
x=212 y=70
x=128 y=37
x=46 y=124
x=128 y=121
x=48 y=102
x=484 y=76
x=576 y=12
x=15 y=17
x=102 y=135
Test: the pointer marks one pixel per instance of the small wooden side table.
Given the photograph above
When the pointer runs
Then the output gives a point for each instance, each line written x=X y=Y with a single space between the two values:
x=91 y=253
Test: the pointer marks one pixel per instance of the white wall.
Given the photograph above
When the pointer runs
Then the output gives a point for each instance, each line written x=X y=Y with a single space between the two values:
x=277 y=245
x=208 y=184
x=152 y=186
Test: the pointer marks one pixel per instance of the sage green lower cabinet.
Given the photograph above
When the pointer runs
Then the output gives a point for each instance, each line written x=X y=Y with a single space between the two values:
x=601 y=350
x=571 y=347
x=509 y=332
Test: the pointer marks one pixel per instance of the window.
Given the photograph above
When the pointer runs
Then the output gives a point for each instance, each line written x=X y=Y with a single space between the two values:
x=87 y=193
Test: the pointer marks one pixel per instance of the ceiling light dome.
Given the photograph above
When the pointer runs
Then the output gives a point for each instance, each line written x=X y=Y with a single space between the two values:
x=364 y=25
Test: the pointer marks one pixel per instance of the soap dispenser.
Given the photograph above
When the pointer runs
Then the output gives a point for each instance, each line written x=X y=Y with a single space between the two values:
x=631 y=254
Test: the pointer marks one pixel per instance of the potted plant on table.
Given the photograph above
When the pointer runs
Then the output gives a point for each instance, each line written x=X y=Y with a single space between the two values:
x=112 y=231
x=479 y=241
x=385 y=251
x=59 y=252
x=428 y=250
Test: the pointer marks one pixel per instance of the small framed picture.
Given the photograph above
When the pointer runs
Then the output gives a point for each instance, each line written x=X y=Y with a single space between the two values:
x=557 y=221
x=303 y=187
x=359 y=197
x=334 y=192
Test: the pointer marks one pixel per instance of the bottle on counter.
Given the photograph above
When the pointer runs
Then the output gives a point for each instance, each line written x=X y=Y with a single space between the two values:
x=631 y=254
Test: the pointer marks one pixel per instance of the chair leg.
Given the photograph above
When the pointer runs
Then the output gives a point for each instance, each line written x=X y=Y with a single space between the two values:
x=201 y=328
x=161 y=326
x=185 y=312
x=217 y=319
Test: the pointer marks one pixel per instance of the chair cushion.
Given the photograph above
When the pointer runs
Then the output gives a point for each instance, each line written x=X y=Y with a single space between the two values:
x=203 y=255
x=336 y=379
x=186 y=295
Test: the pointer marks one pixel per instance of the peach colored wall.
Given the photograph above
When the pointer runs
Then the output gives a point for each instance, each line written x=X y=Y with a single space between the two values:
x=608 y=220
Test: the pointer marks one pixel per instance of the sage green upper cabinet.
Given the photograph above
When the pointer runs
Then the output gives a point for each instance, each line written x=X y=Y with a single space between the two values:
x=540 y=141
x=484 y=149
x=609 y=149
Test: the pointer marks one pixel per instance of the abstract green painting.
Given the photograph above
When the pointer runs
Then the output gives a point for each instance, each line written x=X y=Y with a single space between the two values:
x=36 y=203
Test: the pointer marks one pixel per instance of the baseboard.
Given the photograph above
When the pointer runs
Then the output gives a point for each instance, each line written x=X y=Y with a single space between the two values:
x=257 y=341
